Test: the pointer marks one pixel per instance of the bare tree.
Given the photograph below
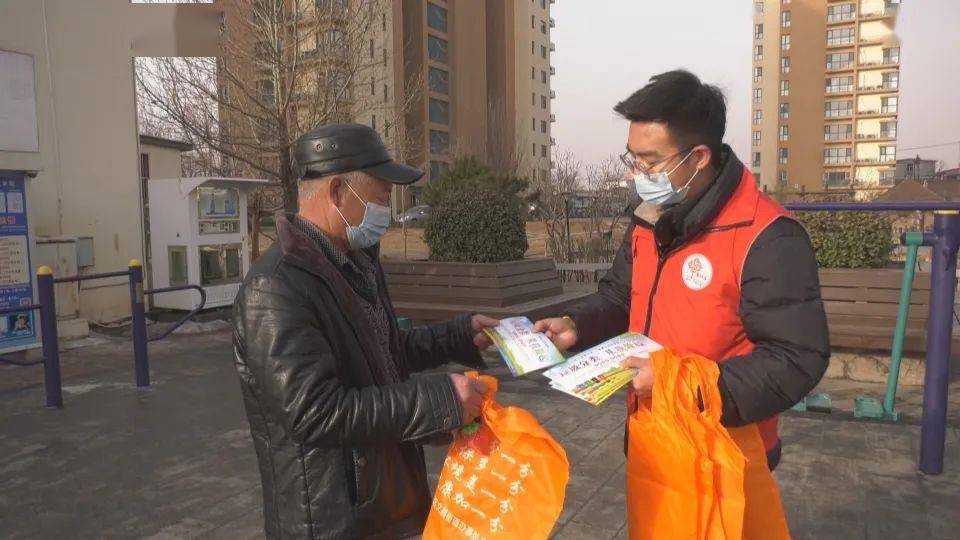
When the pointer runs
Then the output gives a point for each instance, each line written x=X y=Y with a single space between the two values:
x=552 y=198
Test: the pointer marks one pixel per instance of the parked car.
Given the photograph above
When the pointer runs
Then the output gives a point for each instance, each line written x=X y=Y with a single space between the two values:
x=417 y=214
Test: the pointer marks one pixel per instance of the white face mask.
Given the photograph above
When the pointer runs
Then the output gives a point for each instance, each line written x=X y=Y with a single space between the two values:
x=656 y=188
x=376 y=220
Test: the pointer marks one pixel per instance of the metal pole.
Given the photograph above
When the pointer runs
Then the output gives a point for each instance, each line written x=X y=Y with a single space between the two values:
x=943 y=276
x=913 y=242
x=48 y=328
x=141 y=365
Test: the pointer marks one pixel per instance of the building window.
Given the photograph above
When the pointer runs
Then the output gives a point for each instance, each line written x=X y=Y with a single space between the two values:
x=371 y=48
x=888 y=177
x=758 y=31
x=782 y=154
x=439 y=141
x=785 y=19
x=756 y=159
x=834 y=109
x=543 y=77
x=373 y=88
x=533 y=47
x=543 y=151
x=891 y=80
x=543 y=102
x=836 y=156
x=757 y=74
x=758 y=95
x=383 y=22
x=384 y=57
x=439 y=81
x=756 y=138
x=836 y=85
x=888 y=153
x=220 y=264
x=782 y=177
x=784 y=110
x=543 y=27
x=533 y=124
x=889 y=104
x=543 y=51
x=888 y=129
x=757 y=116
x=842 y=60
x=784 y=88
x=784 y=133
x=758 y=53
x=533 y=98
x=837 y=132
x=891 y=55
x=785 y=42
x=533 y=73
x=840 y=36
x=836 y=178
x=532 y=23
x=534 y=149
x=436 y=17
x=439 y=111
x=386 y=93
x=785 y=64
x=177 y=265
x=758 y=6
x=543 y=126
x=842 y=12
x=437 y=49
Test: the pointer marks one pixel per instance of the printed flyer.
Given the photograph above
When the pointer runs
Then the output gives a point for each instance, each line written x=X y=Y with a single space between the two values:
x=523 y=350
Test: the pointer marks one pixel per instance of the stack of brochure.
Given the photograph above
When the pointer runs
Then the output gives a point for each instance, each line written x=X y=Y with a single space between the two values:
x=523 y=350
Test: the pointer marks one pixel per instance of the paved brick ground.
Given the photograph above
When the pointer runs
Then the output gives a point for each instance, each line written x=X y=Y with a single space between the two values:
x=176 y=461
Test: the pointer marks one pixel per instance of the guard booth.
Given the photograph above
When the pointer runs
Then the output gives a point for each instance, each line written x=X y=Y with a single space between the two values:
x=198 y=234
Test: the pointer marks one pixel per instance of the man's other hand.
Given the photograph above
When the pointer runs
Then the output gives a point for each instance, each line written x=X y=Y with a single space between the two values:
x=480 y=338
x=643 y=381
x=561 y=331
x=470 y=393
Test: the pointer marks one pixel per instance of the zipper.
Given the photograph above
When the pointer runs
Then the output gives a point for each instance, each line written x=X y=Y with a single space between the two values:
x=661 y=261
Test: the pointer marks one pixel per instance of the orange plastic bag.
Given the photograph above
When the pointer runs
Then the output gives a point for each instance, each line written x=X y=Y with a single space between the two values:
x=507 y=480
x=687 y=476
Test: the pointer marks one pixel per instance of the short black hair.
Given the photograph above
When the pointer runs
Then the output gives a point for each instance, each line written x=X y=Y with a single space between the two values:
x=694 y=113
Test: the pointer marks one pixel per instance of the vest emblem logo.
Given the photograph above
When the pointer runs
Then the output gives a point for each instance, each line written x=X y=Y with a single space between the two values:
x=697 y=272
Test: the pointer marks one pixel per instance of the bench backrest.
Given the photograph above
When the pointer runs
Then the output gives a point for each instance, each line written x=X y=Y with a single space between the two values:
x=870 y=297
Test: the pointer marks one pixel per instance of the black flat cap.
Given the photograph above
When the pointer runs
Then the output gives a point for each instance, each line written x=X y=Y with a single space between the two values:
x=342 y=148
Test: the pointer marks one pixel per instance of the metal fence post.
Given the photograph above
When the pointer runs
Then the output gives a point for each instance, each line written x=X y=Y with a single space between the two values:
x=943 y=276
x=48 y=328
x=141 y=365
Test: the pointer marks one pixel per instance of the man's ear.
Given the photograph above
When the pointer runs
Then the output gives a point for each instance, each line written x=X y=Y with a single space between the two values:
x=334 y=189
x=704 y=157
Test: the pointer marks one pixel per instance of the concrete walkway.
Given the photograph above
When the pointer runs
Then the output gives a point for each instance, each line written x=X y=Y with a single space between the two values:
x=176 y=460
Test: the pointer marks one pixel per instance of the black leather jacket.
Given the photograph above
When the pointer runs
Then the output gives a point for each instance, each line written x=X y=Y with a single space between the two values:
x=337 y=445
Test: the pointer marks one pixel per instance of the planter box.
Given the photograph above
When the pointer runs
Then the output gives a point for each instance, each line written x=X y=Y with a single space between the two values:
x=427 y=290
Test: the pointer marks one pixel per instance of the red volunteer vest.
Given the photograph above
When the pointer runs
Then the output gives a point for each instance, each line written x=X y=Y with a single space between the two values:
x=690 y=301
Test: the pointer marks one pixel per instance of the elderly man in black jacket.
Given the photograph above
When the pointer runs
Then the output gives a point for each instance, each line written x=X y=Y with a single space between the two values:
x=337 y=420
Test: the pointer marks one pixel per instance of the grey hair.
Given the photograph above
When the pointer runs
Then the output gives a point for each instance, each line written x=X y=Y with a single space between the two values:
x=308 y=188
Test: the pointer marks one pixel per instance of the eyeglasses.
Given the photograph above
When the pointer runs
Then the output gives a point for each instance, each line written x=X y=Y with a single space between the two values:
x=634 y=164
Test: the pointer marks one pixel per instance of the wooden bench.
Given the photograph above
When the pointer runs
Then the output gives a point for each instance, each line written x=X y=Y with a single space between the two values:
x=862 y=305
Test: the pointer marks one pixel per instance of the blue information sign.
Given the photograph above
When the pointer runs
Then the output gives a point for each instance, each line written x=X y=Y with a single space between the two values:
x=17 y=330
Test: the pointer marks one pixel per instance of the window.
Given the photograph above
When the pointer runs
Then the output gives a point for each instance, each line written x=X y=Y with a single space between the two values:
x=785 y=19
x=533 y=124
x=785 y=42
x=371 y=48
x=757 y=116
x=758 y=6
x=888 y=177
x=533 y=98
x=335 y=39
x=891 y=55
x=756 y=159
x=220 y=264
x=757 y=74
x=386 y=93
x=888 y=129
x=833 y=109
x=439 y=81
x=756 y=138
x=836 y=178
x=840 y=36
x=785 y=1
x=888 y=153
x=543 y=151
x=534 y=149
x=533 y=47
x=532 y=24
x=439 y=111
x=839 y=60
x=782 y=154
x=543 y=126
x=543 y=4
x=891 y=79
x=373 y=122
x=439 y=141
x=784 y=132
x=837 y=132
x=436 y=17
x=889 y=105
x=758 y=53
x=784 y=88
x=438 y=169
x=437 y=49
x=785 y=64
x=784 y=110
x=758 y=95
x=842 y=12
x=839 y=84
x=758 y=31
x=373 y=90
x=836 y=156
x=782 y=177
x=177 y=265
x=543 y=77
x=543 y=102
x=384 y=57
x=543 y=27
x=543 y=51
x=265 y=92
x=383 y=22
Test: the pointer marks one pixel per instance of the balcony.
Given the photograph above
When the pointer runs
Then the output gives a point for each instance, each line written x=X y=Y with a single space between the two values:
x=839 y=181
x=837 y=138
x=553 y=22
x=553 y=141
x=553 y=47
x=553 y=117
x=890 y=10
x=842 y=18
x=553 y=70
x=843 y=42
x=553 y=94
x=836 y=162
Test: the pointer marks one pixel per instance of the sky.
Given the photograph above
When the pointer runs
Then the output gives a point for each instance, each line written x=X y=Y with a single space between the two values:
x=607 y=49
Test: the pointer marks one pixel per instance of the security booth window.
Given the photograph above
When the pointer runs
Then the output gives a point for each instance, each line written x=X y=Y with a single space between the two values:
x=220 y=264
x=177 y=264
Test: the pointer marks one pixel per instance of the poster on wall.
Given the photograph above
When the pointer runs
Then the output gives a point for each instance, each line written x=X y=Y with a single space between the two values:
x=17 y=330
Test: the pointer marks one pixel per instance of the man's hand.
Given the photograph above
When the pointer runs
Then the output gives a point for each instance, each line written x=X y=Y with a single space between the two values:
x=560 y=331
x=470 y=393
x=480 y=338
x=643 y=381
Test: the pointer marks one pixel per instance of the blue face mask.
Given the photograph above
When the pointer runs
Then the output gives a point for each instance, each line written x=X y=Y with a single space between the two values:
x=376 y=220
x=656 y=188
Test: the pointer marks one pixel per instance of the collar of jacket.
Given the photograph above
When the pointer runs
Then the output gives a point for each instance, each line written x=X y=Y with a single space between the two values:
x=684 y=222
x=300 y=250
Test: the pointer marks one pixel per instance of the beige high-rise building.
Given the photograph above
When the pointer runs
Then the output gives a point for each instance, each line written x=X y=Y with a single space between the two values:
x=825 y=94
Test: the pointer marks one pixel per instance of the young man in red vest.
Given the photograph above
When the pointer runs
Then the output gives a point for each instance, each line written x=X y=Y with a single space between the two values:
x=709 y=265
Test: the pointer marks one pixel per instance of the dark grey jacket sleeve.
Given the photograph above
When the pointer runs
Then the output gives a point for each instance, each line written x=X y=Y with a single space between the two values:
x=428 y=347
x=783 y=314
x=291 y=361
x=606 y=313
